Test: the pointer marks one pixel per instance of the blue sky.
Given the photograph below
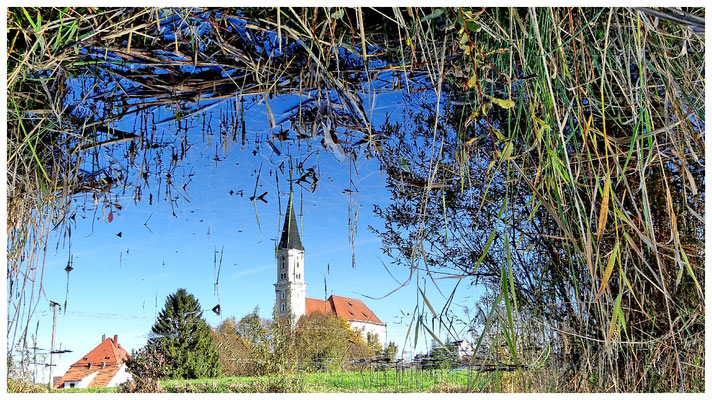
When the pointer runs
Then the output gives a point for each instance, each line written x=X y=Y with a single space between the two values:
x=120 y=283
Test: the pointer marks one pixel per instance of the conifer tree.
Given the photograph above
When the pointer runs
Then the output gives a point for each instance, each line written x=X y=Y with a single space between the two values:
x=183 y=337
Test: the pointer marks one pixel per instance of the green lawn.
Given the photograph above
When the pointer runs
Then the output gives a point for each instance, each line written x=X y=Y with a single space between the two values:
x=88 y=390
x=352 y=381
x=370 y=381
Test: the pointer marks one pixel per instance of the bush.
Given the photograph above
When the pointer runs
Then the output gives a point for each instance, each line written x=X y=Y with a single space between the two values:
x=236 y=353
x=326 y=341
x=25 y=386
x=146 y=368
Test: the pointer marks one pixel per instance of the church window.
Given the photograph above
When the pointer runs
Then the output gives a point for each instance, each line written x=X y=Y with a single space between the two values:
x=283 y=275
x=283 y=263
x=282 y=294
x=282 y=306
x=299 y=276
x=297 y=264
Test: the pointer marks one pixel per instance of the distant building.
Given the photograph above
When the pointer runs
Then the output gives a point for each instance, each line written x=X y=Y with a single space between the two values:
x=463 y=348
x=104 y=366
x=355 y=311
x=291 y=290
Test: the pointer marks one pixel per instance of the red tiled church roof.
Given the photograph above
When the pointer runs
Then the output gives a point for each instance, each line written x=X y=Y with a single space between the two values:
x=346 y=307
x=106 y=358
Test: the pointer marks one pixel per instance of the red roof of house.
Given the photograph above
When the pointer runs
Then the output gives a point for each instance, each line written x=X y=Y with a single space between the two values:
x=106 y=358
x=346 y=307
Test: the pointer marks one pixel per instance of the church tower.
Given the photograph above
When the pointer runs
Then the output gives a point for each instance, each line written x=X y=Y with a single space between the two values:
x=290 y=288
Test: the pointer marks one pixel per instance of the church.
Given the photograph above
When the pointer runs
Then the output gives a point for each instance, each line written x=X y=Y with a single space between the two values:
x=291 y=290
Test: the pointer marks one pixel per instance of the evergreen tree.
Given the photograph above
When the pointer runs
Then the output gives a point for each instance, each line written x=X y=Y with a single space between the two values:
x=391 y=351
x=184 y=338
x=445 y=357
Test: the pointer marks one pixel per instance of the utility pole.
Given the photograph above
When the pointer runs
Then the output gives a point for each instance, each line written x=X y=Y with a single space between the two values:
x=54 y=306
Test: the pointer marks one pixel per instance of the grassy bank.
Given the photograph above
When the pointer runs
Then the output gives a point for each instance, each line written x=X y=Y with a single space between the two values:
x=351 y=381
x=388 y=381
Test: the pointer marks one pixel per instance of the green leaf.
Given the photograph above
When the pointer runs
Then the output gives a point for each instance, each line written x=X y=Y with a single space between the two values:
x=435 y=337
x=472 y=26
x=427 y=303
x=434 y=15
x=506 y=152
x=338 y=14
x=614 y=327
x=689 y=270
x=484 y=252
x=404 y=164
x=508 y=328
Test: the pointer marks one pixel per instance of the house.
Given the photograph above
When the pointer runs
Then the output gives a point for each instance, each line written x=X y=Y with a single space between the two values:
x=291 y=289
x=360 y=317
x=463 y=348
x=104 y=366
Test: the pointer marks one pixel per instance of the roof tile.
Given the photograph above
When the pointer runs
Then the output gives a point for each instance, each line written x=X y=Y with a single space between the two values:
x=108 y=353
x=346 y=307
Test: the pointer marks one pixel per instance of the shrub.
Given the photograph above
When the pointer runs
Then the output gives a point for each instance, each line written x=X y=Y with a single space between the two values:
x=146 y=367
x=236 y=353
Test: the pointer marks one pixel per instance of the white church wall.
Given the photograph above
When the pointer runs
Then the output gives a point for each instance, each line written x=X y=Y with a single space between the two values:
x=290 y=289
x=369 y=327
x=298 y=287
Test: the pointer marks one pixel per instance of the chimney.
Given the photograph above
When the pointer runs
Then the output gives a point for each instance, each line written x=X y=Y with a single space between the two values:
x=116 y=340
x=103 y=337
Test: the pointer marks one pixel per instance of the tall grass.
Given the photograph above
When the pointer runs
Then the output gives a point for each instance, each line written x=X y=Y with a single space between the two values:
x=585 y=151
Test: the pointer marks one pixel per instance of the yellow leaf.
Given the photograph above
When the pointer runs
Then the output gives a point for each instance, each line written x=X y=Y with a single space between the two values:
x=498 y=51
x=472 y=82
x=604 y=208
x=506 y=104
x=497 y=133
x=489 y=166
x=608 y=271
x=541 y=122
x=463 y=37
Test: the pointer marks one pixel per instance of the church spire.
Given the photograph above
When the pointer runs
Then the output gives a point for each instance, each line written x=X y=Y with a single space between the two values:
x=290 y=233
